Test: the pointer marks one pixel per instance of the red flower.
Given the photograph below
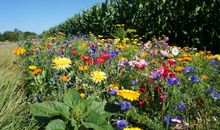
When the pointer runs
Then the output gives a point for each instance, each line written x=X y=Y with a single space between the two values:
x=74 y=52
x=100 y=60
x=171 y=62
x=141 y=103
x=143 y=89
x=84 y=57
x=48 y=46
x=90 y=61
x=105 y=55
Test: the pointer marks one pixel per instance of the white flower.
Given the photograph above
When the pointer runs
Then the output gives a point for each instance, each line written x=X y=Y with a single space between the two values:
x=175 y=51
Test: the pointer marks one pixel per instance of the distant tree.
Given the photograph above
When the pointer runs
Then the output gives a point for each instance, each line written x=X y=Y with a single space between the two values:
x=9 y=36
x=1 y=37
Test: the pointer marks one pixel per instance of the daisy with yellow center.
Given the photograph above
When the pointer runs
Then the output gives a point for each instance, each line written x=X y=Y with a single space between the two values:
x=19 y=51
x=133 y=128
x=98 y=76
x=61 y=63
x=129 y=94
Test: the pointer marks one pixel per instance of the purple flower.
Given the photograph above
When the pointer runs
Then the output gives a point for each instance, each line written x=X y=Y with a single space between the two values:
x=154 y=75
x=211 y=90
x=216 y=96
x=194 y=79
x=188 y=70
x=134 y=83
x=172 y=81
x=121 y=124
x=181 y=106
x=125 y=106
x=214 y=62
x=113 y=92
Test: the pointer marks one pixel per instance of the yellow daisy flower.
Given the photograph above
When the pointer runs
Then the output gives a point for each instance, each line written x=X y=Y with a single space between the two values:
x=61 y=63
x=98 y=76
x=83 y=67
x=129 y=94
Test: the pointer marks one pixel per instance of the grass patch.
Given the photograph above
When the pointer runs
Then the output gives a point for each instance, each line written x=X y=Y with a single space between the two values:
x=14 y=113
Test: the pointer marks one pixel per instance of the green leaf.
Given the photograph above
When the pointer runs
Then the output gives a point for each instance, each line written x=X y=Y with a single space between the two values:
x=72 y=98
x=92 y=125
x=50 y=109
x=56 y=125
x=74 y=124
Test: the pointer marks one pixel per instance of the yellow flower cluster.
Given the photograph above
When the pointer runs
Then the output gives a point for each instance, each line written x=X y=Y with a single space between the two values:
x=129 y=94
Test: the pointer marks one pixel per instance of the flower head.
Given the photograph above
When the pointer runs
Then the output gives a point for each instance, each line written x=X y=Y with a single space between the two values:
x=19 y=51
x=32 y=67
x=188 y=70
x=121 y=124
x=181 y=106
x=37 y=71
x=61 y=63
x=65 y=78
x=129 y=94
x=175 y=51
x=194 y=79
x=98 y=76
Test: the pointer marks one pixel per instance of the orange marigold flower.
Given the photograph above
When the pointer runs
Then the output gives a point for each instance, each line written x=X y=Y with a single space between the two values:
x=19 y=51
x=187 y=58
x=83 y=67
x=179 y=68
x=179 y=59
x=37 y=71
x=129 y=95
x=65 y=78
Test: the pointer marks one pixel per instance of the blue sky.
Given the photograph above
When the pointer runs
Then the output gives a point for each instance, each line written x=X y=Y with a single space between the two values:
x=38 y=15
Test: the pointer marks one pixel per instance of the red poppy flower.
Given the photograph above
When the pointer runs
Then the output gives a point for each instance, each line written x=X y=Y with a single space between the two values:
x=171 y=62
x=90 y=61
x=48 y=46
x=143 y=89
x=141 y=103
x=84 y=57
x=100 y=60
x=105 y=55
x=74 y=52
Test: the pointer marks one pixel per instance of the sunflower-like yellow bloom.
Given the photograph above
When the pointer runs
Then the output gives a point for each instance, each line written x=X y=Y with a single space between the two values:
x=129 y=95
x=19 y=51
x=98 y=76
x=179 y=68
x=61 y=63
x=133 y=128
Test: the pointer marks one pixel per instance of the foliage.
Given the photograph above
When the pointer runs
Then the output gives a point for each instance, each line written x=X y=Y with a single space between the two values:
x=16 y=35
x=75 y=113
x=190 y=22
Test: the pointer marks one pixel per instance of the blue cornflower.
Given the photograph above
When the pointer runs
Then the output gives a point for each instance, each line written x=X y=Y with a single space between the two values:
x=214 y=62
x=216 y=96
x=93 y=55
x=211 y=90
x=173 y=81
x=181 y=106
x=113 y=92
x=121 y=124
x=125 y=106
x=194 y=79
x=188 y=70
x=134 y=83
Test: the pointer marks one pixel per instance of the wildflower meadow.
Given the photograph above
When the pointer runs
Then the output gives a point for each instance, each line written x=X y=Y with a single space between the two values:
x=92 y=82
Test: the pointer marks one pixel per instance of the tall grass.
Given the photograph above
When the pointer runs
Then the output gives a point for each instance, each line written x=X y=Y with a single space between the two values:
x=14 y=113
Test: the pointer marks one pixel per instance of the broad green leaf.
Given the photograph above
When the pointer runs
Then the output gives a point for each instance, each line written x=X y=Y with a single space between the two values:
x=56 y=125
x=50 y=109
x=92 y=125
x=74 y=124
x=71 y=98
